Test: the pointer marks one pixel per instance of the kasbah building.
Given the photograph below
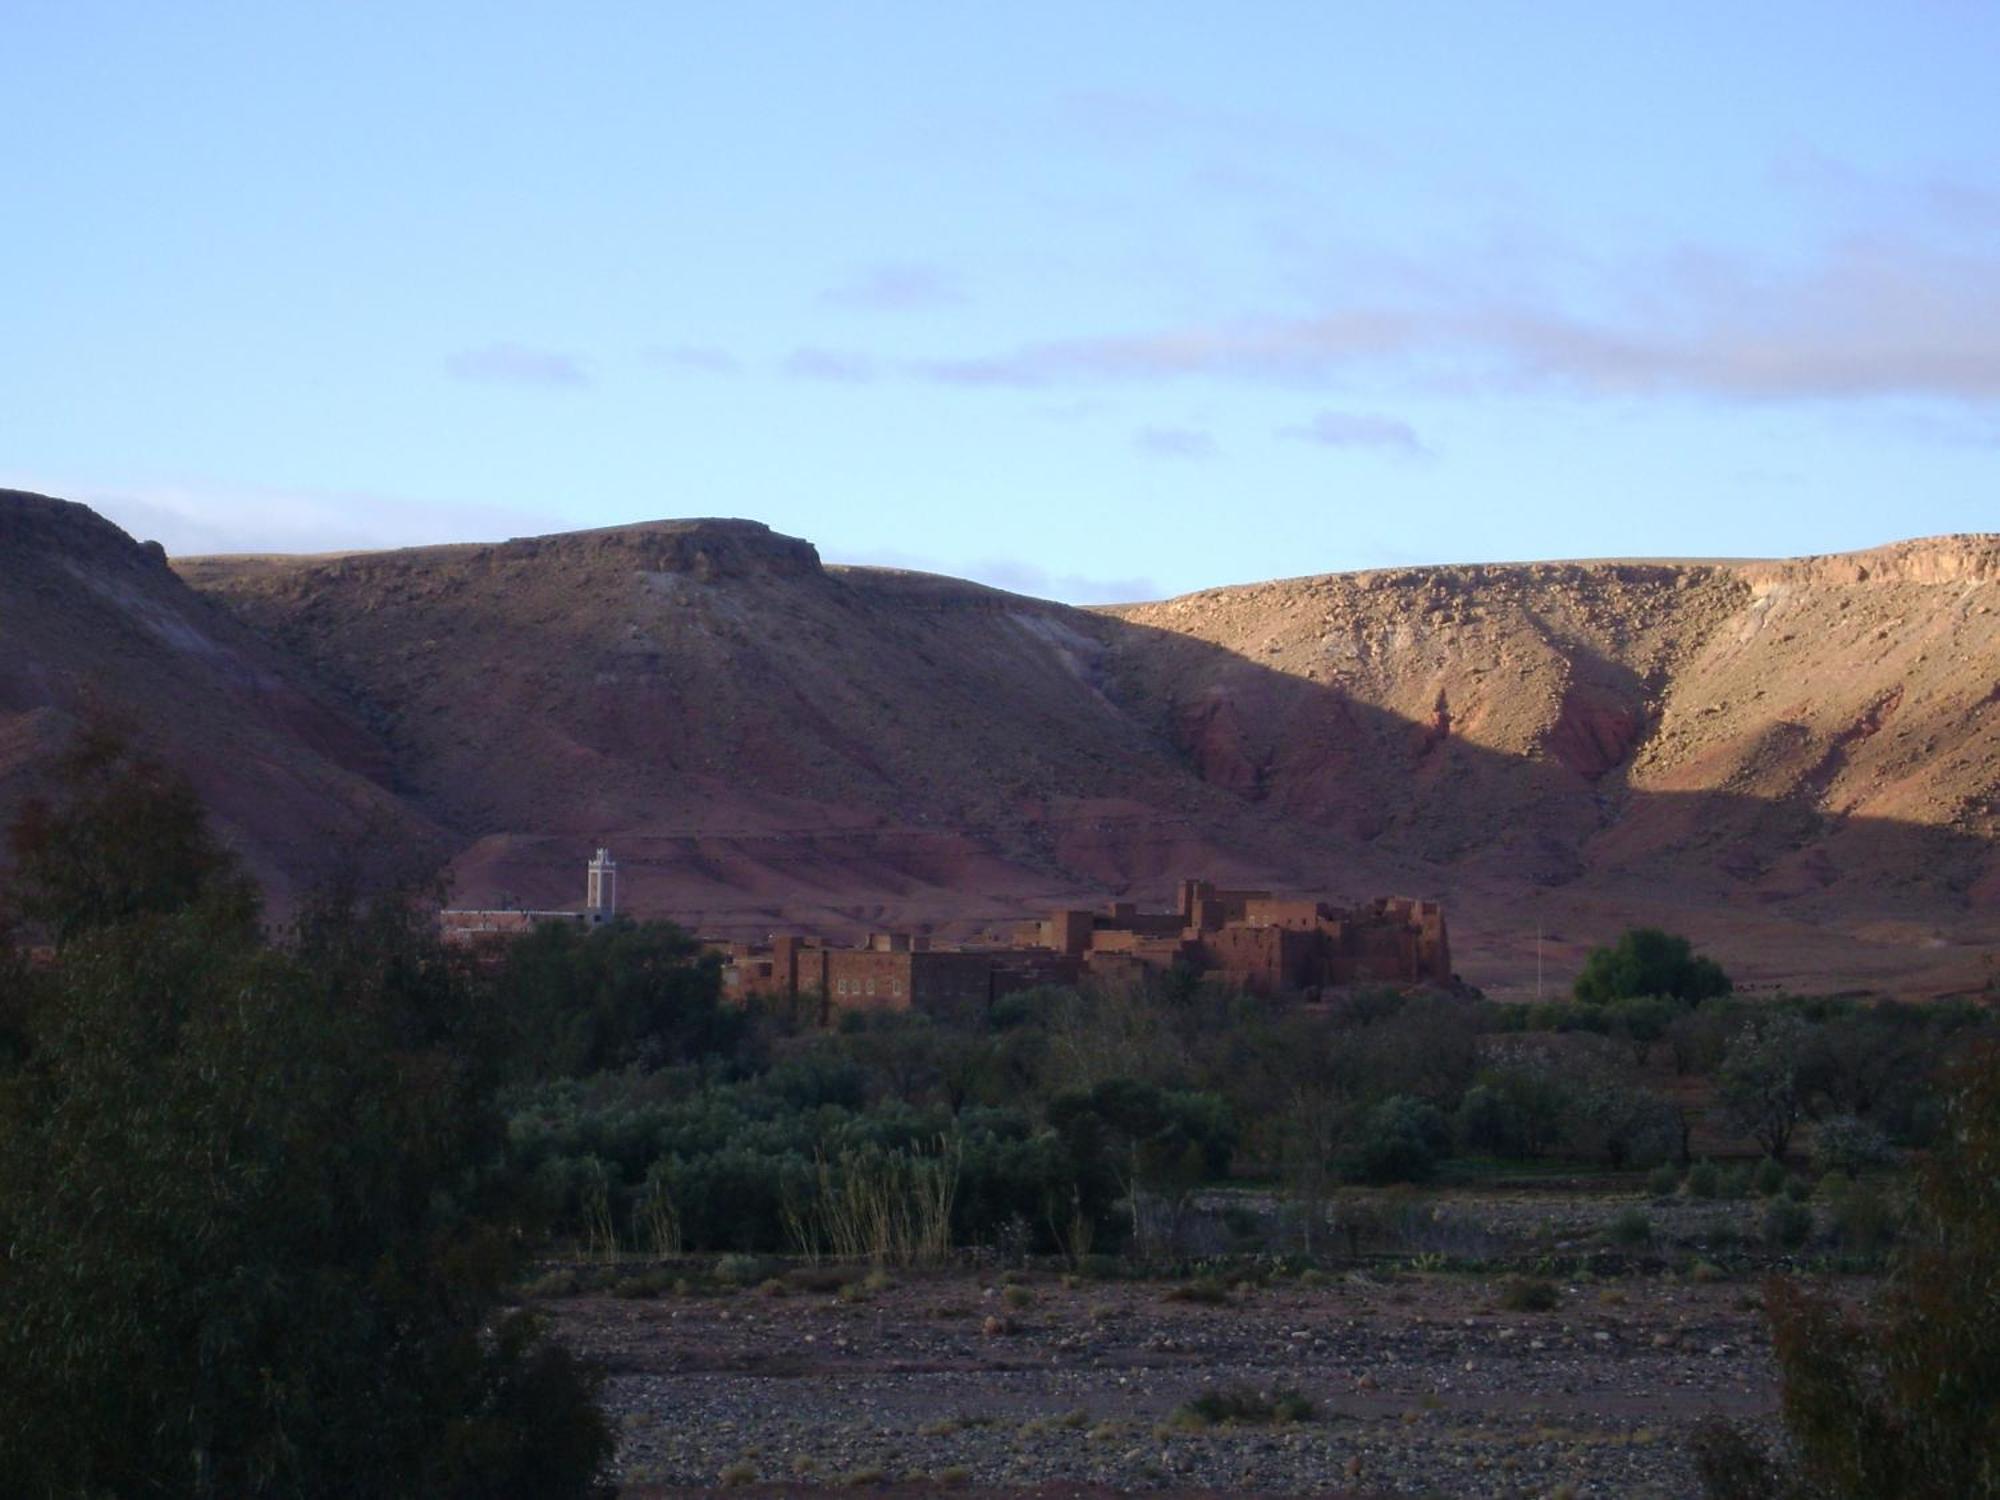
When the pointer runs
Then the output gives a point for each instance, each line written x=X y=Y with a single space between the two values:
x=1265 y=944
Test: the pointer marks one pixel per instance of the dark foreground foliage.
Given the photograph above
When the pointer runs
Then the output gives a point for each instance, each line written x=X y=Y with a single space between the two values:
x=249 y=1222
x=1901 y=1398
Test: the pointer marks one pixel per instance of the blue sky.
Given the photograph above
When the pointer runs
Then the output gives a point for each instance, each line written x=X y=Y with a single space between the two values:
x=1087 y=299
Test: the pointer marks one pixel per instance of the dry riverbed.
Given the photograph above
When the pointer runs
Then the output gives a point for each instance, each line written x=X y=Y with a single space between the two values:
x=1420 y=1384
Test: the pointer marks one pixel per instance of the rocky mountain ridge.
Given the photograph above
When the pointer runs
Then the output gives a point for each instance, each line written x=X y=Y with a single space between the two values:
x=1796 y=761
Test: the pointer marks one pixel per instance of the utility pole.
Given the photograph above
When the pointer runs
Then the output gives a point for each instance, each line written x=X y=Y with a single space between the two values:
x=1538 y=947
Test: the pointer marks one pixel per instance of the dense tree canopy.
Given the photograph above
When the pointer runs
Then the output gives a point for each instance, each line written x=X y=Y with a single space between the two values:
x=126 y=839
x=251 y=1236
x=625 y=993
x=1647 y=961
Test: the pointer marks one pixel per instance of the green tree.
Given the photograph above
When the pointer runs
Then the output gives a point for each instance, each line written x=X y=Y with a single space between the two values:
x=1647 y=961
x=252 y=1240
x=1130 y=1139
x=1758 y=1083
x=125 y=837
x=1641 y=1021
x=1400 y=1141
x=1904 y=1398
x=626 y=993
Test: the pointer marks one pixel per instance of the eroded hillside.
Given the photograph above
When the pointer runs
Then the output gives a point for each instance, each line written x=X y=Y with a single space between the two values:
x=1796 y=762
x=1782 y=756
x=93 y=623
x=760 y=738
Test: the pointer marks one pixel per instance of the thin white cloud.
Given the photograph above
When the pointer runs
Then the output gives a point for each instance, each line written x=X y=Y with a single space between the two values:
x=517 y=364
x=195 y=519
x=1070 y=588
x=897 y=288
x=839 y=366
x=1874 y=316
x=1009 y=573
x=1358 y=429
x=1266 y=349
x=696 y=359
x=1175 y=442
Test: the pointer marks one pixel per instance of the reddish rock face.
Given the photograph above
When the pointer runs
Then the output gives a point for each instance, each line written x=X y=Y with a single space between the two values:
x=1595 y=731
x=772 y=743
x=1211 y=732
x=95 y=624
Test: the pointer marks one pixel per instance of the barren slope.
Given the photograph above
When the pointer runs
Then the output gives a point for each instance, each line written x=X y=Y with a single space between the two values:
x=757 y=737
x=1795 y=761
x=1776 y=755
x=93 y=622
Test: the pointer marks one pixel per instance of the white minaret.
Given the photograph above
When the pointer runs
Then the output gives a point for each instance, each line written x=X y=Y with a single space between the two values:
x=600 y=901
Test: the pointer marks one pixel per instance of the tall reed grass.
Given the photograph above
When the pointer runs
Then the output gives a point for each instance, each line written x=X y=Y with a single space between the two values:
x=885 y=1207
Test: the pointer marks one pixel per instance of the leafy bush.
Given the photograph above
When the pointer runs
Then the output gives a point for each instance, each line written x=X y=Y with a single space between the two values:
x=253 y=1242
x=1641 y=1021
x=1787 y=1225
x=1401 y=1142
x=1631 y=1227
x=1608 y=1118
x=1904 y=1400
x=1647 y=961
x=1769 y=1177
x=1843 y=1143
x=585 y=1000
x=1759 y=1086
x=1703 y=1180
x=1663 y=1180
x=1516 y=1110
x=1241 y=1406
x=1865 y=1222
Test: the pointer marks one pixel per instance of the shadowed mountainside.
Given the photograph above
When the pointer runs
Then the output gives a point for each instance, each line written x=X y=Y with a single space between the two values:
x=95 y=624
x=1797 y=763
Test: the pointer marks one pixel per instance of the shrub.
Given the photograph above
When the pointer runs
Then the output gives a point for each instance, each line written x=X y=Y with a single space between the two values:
x=744 y=1270
x=1864 y=1221
x=1018 y=1297
x=1797 y=1188
x=1240 y=1406
x=1845 y=1144
x=1769 y=1177
x=1401 y=1142
x=1647 y=961
x=647 y=1285
x=1735 y=1183
x=1663 y=1180
x=1758 y=1085
x=1630 y=1228
x=1905 y=1400
x=1703 y=1180
x=1787 y=1225
x=1528 y=1294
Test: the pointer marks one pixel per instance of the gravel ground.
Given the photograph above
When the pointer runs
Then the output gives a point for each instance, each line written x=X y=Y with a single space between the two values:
x=1421 y=1383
